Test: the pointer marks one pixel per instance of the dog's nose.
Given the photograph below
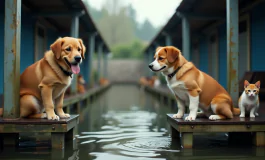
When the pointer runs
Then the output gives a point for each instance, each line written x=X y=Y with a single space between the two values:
x=151 y=66
x=77 y=58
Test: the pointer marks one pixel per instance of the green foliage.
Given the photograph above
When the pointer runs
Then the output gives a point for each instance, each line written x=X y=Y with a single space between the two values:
x=132 y=50
x=117 y=24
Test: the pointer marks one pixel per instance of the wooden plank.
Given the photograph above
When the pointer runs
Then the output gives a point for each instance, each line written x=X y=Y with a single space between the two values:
x=26 y=121
x=235 y=121
x=36 y=125
x=12 y=58
x=80 y=97
x=231 y=126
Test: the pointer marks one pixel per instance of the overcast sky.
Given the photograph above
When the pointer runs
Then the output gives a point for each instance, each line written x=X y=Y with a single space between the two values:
x=157 y=11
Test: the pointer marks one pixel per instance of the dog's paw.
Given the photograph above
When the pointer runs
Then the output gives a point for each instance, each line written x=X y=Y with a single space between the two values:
x=214 y=117
x=177 y=116
x=256 y=114
x=44 y=115
x=242 y=116
x=252 y=116
x=64 y=115
x=190 y=118
x=53 y=117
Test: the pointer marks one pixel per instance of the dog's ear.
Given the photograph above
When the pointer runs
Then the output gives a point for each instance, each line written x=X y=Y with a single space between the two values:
x=246 y=83
x=56 y=47
x=83 y=48
x=172 y=54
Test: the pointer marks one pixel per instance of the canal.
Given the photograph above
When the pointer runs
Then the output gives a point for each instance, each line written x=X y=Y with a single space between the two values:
x=126 y=123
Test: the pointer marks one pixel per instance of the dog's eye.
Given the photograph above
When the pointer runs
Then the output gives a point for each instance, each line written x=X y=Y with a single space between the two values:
x=160 y=58
x=68 y=49
x=79 y=49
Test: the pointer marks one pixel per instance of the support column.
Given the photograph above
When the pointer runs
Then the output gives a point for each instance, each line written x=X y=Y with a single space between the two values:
x=74 y=33
x=185 y=37
x=12 y=58
x=100 y=46
x=232 y=48
x=167 y=39
x=150 y=59
x=105 y=65
x=146 y=61
x=92 y=37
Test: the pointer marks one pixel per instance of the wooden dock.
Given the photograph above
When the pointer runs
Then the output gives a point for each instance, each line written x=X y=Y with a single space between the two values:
x=184 y=129
x=61 y=130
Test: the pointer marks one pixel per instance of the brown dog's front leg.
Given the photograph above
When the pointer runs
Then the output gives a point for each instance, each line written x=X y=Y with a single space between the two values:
x=59 y=107
x=46 y=95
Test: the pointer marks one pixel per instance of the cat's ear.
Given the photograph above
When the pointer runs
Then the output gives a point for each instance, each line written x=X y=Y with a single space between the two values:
x=257 y=84
x=246 y=83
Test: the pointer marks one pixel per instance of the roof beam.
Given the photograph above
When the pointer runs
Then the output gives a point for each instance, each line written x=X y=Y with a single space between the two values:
x=201 y=16
x=59 y=13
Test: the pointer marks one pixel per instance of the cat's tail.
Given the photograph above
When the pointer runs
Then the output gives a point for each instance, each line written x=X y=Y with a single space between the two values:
x=236 y=111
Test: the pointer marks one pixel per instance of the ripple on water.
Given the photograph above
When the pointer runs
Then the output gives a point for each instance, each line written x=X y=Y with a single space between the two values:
x=130 y=135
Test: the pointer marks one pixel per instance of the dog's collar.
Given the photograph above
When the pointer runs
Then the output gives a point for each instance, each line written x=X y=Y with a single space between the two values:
x=65 y=72
x=175 y=72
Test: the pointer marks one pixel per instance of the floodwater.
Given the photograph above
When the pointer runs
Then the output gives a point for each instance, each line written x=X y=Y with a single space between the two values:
x=126 y=123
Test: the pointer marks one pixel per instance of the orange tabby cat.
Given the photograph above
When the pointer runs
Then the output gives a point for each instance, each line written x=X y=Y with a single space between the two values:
x=249 y=100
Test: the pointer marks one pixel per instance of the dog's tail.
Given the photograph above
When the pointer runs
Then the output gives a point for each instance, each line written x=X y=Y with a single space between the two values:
x=236 y=111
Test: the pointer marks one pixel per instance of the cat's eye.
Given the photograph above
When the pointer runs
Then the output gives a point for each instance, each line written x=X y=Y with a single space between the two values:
x=249 y=90
x=160 y=58
x=254 y=90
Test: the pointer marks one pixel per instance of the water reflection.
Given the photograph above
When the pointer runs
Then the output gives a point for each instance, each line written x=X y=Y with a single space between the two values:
x=126 y=123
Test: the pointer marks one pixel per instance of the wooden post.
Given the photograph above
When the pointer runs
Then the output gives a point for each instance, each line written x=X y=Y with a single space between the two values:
x=58 y=140
x=12 y=58
x=186 y=140
x=232 y=48
x=259 y=139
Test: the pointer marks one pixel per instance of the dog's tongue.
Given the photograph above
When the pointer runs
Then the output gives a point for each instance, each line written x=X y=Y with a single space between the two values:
x=75 y=69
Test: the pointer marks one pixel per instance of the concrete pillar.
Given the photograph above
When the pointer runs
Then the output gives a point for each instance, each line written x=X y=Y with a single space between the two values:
x=232 y=48
x=99 y=52
x=12 y=58
x=185 y=37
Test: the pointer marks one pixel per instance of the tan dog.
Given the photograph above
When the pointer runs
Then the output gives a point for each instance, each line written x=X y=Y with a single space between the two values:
x=43 y=84
x=192 y=87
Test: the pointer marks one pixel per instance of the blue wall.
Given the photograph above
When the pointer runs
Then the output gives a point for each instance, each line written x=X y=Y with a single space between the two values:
x=2 y=11
x=222 y=55
x=27 y=42
x=203 y=66
x=257 y=38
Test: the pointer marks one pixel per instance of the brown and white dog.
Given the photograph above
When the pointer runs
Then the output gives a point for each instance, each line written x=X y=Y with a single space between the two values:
x=43 y=84
x=192 y=87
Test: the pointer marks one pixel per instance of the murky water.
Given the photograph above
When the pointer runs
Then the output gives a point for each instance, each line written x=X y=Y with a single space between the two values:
x=125 y=123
